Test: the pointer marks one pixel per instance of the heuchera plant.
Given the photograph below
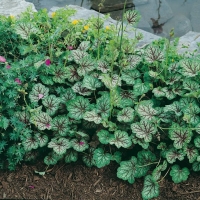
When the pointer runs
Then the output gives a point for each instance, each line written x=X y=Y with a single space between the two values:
x=74 y=89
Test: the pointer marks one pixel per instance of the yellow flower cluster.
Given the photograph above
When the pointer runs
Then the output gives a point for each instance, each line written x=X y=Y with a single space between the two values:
x=74 y=22
x=53 y=14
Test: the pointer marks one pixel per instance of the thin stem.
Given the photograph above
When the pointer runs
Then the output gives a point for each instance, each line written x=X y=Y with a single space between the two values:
x=164 y=176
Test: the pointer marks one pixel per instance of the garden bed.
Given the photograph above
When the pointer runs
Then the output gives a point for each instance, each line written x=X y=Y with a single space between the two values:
x=78 y=182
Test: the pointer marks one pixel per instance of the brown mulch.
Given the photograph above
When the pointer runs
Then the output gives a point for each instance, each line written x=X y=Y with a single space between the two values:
x=77 y=182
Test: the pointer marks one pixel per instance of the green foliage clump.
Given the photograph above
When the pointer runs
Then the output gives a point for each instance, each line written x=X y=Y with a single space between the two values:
x=73 y=89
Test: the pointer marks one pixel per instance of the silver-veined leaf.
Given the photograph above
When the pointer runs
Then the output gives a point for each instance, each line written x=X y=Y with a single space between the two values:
x=92 y=116
x=91 y=82
x=71 y=156
x=104 y=136
x=132 y=17
x=79 y=145
x=141 y=88
x=151 y=188
x=103 y=66
x=129 y=76
x=126 y=115
x=67 y=96
x=38 y=92
x=60 y=73
x=127 y=170
x=197 y=128
x=30 y=143
x=158 y=92
x=174 y=107
x=84 y=46
x=132 y=61
x=78 y=55
x=23 y=116
x=110 y=82
x=144 y=129
x=139 y=141
x=190 y=85
x=78 y=88
x=181 y=136
x=121 y=139
x=60 y=124
x=52 y=104
x=191 y=152
x=72 y=74
x=86 y=64
x=196 y=166
x=88 y=157
x=152 y=54
x=42 y=121
x=78 y=107
x=117 y=156
x=179 y=175
x=172 y=78
x=59 y=145
x=101 y=158
x=169 y=93
x=42 y=139
x=146 y=111
x=186 y=101
x=25 y=29
x=172 y=154
x=103 y=106
x=189 y=68
x=157 y=171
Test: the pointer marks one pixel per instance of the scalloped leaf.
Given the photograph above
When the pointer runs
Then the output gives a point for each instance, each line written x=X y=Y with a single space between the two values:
x=68 y=95
x=59 y=73
x=30 y=143
x=52 y=104
x=103 y=106
x=121 y=139
x=129 y=76
x=84 y=46
x=25 y=29
x=141 y=88
x=181 y=136
x=47 y=80
x=72 y=74
x=127 y=170
x=151 y=188
x=59 y=145
x=38 y=92
x=78 y=107
x=92 y=116
x=144 y=129
x=132 y=17
x=110 y=82
x=197 y=141
x=172 y=78
x=132 y=61
x=126 y=98
x=139 y=141
x=86 y=64
x=146 y=111
x=79 y=145
x=190 y=85
x=189 y=68
x=172 y=154
x=42 y=121
x=23 y=116
x=78 y=55
x=186 y=101
x=117 y=156
x=104 y=136
x=78 y=88
x=169 y=93
x=152 y=54
x=88 y=157
x=50 y=160
x=103 y=66
x=101 y=158
x=196 y=166
x=158 y=92
x=174 y=107
x=60 y=124
x=126 y=115
x=71 y=156
x=42 y=139
x=179 y=175
x=191 y=152
x=91 y=82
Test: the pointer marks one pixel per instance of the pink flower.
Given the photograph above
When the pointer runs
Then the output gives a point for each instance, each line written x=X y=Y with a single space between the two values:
x=2 y=59
x=81 y=143
x=17 y=80
x=40 y=96
x=70 y=47
x=31 y=186
x=47 y=62
x=48 y=125
x=8 y=67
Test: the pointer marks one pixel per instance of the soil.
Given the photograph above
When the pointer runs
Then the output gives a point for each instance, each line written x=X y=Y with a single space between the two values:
x=78 y=182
